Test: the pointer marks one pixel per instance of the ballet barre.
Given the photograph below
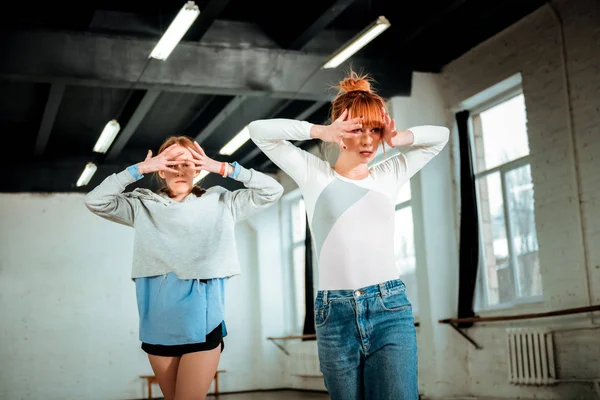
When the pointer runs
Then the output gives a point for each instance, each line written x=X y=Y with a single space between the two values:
x=454 y=322
x=292 y=337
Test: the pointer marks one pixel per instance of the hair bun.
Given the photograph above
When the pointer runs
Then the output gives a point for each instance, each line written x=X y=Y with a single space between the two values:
x=350 y=85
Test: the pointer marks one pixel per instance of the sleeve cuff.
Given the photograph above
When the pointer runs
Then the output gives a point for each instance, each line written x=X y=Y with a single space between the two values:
x=236 y=170
x=134 y=171
x=306 y=129
x=243 y=175
x=423 y=135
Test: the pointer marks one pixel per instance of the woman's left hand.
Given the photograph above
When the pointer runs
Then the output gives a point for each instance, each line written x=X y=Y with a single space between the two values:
x=393 y=137
x=202 y=161
x=389 y=128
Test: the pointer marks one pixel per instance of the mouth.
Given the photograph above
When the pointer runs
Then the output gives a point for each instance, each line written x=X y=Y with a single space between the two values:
x=366 y=153
x=180 y=181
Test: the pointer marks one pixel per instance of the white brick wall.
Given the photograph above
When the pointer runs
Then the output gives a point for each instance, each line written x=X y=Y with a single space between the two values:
x=532 y=47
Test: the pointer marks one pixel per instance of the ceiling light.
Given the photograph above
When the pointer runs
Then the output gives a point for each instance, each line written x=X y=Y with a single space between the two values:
x=107 y=136
x=358 y=42
x=182 y=22
x=87 y=174
x=238 y=140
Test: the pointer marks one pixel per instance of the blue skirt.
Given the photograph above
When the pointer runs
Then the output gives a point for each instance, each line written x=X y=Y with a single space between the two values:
x=175 y=312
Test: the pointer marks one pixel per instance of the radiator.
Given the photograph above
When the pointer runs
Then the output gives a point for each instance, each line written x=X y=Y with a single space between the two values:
x=530 y=357
x=303 y=359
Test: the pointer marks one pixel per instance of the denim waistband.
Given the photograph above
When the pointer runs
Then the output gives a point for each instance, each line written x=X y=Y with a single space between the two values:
x=383 y=288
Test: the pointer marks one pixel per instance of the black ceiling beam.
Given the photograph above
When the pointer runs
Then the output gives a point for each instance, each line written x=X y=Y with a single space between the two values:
x=207 y=17
x=431 y=22
x=302 y=116
x=94 y=60
x=249 y=109
x=214 y=124
x=319 y=24
x=305 y=37
x=136 y=119
x=55 y=96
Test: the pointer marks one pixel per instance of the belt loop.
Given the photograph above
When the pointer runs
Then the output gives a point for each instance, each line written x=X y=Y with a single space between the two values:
x=382 y=289
x=324 y=296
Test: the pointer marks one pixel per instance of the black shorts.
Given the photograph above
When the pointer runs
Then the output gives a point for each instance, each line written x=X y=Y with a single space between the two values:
x=213 y=339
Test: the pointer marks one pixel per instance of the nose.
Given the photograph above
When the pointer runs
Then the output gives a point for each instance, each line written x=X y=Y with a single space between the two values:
x=179 y=169
x=366 y=139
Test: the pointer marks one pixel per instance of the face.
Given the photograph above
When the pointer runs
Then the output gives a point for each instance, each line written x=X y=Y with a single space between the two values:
x=180 y=183
x=363 y=147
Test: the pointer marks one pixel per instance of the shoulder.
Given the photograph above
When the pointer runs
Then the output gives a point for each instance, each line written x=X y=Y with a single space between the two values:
x=216 y=190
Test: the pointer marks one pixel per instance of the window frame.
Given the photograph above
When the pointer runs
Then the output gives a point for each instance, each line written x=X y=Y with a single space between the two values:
x=481 y=304
x=288 y=246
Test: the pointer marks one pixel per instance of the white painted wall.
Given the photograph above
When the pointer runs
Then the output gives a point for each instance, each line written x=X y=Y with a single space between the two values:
x=69 y=318
x=567 y=219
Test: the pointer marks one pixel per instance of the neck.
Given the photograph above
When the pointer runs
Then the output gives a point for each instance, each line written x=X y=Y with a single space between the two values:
x=180 y=196
x=351 y=170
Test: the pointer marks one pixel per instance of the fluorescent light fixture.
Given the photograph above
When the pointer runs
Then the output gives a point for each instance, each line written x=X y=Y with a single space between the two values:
x=201 y=176
x=107 y=136
x=358 y=42
x=238 y=140
x=87 y=174
x=182 y=22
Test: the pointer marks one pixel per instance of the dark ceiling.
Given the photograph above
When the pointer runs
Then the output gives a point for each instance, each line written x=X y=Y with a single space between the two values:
x=66 y=70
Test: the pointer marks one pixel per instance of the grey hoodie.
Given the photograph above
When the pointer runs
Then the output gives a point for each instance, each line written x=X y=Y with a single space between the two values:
x=193 y=238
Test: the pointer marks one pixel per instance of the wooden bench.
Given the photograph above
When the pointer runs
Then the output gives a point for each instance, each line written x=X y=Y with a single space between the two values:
x=151 y=379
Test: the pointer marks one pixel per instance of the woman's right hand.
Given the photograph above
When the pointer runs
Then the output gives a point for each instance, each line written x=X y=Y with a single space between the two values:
x=338 y=130
x=162 y=162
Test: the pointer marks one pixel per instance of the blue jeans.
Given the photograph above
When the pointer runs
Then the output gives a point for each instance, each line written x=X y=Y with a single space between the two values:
x=367 y=343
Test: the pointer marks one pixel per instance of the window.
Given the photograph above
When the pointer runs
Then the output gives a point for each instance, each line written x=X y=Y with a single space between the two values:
x=404 y=242
x=297 y=249
x=509 y=271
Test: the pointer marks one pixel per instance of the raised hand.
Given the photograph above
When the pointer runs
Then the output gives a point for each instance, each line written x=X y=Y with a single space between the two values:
x=162 y=162
x=389 y=128
x=339 y=129
x=202 y=161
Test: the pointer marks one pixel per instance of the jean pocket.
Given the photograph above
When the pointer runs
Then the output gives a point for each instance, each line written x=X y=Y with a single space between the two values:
x=322 y=312
x=394 y=301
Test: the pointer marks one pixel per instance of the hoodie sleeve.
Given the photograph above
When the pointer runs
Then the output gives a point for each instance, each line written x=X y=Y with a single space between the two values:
x=107 y=201
x=261 y=191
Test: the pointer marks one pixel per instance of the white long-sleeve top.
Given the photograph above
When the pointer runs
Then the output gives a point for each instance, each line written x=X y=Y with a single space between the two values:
x=351 y=221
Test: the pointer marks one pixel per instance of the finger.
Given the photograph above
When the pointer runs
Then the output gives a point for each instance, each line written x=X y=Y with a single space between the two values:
x=393 y=125
x=388 y=119
x=175 y=162
x=343 y=116
x=169 y=169
x=149 y=155
x=174 y=154
x=352 y=127
x=171 y=147
x=349 y=135
x=195 y=153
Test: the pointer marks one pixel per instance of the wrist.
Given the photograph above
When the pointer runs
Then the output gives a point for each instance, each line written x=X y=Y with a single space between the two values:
x=142 y=168
x=318 y=131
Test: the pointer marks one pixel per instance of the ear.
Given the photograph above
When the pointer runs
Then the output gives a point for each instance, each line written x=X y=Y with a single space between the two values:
x=162 y=174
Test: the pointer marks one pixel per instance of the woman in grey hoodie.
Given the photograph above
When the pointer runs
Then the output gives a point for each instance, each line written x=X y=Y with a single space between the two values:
x=184 y=251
